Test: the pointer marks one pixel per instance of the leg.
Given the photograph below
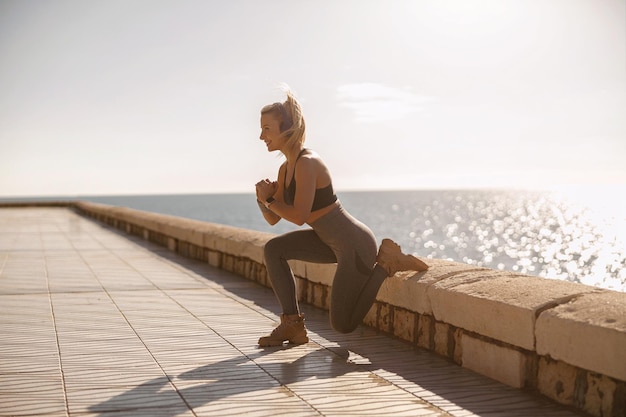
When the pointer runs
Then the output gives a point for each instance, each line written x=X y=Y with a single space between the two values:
x=358 y=278
x=391 y=258
x=353 y=294
x=304 y=245
x=357 y=289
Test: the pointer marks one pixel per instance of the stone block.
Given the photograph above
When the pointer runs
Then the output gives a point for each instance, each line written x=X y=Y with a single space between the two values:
x=556 y=380
x=241 y=267
x=497 y=304
x=457 y=355
x=404 y=324
x=588 y=332
x=425 y=331
x=315 y=294
x=261 y=276
x=601 y=396
x=320 y=296
x=441 y=340
x=228 y=263
x=497 y=362
x=385 y=318
x=214 y=259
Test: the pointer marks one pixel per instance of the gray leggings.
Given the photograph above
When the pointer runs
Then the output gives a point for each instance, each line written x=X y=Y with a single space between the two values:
x=335 y=237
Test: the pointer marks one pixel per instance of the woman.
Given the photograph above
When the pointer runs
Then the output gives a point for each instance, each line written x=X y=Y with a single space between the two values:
x=303 y=193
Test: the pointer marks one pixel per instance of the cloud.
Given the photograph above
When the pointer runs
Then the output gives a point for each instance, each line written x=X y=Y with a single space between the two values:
x=373 y=102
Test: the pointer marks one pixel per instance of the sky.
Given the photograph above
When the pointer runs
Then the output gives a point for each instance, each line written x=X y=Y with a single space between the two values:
x=110 y=97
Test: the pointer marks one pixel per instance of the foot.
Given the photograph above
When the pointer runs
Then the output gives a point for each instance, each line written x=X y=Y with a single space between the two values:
x=391 y=258
x=291 y=329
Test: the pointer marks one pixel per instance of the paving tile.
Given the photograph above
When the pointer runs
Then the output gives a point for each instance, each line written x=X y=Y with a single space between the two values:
x=175 y=411
x=372 y=406
x=255 y=409
x=22 y=404
x=262 y=390
x=103 y=378
x=120 y=398
x=29 y=364
x=33 y=383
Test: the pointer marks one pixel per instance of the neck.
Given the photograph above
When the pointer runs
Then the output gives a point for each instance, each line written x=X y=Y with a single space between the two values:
x=292 y=154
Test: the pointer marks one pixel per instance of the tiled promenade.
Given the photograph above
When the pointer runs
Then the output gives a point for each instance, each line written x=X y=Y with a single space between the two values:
x=95 y=323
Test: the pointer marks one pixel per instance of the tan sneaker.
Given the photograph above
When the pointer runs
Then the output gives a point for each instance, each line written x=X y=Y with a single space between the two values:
x=290 y=329
x=391 y=258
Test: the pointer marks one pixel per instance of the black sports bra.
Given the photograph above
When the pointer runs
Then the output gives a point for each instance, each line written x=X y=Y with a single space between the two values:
x=324 y=197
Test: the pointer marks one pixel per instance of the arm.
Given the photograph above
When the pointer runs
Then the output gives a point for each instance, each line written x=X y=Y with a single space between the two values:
x=306 y=177
x=266 y=188
x=270 y=217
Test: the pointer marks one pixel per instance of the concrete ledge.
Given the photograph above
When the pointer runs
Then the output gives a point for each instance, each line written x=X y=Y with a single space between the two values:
x=497 y=304
x=566 y=341
x=589 y=331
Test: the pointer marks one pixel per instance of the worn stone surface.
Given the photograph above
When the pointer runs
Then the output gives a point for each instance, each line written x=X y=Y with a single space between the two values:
x=321 y=296
x=441 y=339
x=385 y=318
x=589 y=332
x=557 y=380
x=497 y=304
x=425 y=332
x=600 y=395
x=409 y=289
x=404 y=324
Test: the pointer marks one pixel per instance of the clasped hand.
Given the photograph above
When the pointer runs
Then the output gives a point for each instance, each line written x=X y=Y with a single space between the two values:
x=265 y=189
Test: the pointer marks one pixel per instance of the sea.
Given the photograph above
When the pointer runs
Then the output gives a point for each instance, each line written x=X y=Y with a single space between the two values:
x=576 y=234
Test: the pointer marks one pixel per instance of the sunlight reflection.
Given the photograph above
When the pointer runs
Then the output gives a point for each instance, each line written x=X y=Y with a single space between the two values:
x=577 y=236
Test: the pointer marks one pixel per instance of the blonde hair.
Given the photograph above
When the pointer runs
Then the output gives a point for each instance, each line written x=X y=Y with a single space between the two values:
x=291 y=121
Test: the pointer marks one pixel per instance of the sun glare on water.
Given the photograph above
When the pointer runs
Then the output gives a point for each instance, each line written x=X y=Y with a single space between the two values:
x=571 y=235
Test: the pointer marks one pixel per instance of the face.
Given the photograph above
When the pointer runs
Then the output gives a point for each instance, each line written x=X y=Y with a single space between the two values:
x=270 y=132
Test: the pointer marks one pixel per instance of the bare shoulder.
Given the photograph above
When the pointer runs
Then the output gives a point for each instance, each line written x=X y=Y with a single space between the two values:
x=312 y=158
x=313 y=163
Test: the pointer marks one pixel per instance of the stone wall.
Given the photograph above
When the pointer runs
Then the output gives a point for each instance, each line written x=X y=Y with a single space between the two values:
x=564 y=340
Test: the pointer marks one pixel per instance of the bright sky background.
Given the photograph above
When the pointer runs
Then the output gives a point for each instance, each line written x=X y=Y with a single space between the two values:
x=152 y=96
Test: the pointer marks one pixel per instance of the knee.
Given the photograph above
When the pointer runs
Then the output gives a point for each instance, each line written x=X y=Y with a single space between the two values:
x=272 y=248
